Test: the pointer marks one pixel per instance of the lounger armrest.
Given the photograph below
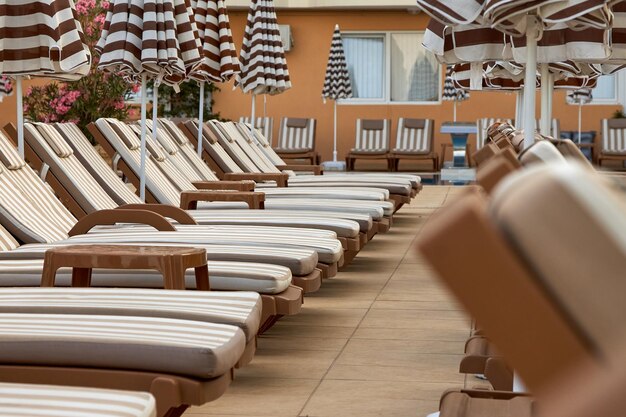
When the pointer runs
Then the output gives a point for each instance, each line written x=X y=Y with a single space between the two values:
x=111 y=217
x=165 y=210
x=280 y=178
x=189 y=199
x=244 y=185
x=499 y=374
x=485 y=393
x=316 y=169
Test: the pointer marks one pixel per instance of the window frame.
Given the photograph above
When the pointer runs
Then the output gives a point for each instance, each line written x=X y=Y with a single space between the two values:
x=386 y=100
x=620 y=93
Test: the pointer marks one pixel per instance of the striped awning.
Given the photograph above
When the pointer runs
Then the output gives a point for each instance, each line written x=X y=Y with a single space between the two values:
x=42 y=38
x=263 y=64
x=337 y=84
x=219 y=58
x=450 y=91
x=153 y=37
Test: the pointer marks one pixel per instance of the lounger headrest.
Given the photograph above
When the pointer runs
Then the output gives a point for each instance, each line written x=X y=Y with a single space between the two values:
x=125 y=133
x=166 y=141
x=54 y=139
x=173 y=131
x=414 y=123
x=8 y=154
x=616 y=123
x=155 y=150
x=208 y=134
x=542 y=151
x=296 y=122
x=224 y=128
x=372 y=124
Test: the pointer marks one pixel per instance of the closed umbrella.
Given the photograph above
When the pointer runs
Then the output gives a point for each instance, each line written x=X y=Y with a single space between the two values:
x=263 y=64
x=580 y=97
x=40 y=38
x=219 y=59
x=6 y=88
x=337 y=84
x=450 y=92
x=144 y=39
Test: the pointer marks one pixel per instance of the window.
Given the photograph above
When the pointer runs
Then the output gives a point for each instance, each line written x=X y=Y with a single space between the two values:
x=391 y=67
x=605 y=90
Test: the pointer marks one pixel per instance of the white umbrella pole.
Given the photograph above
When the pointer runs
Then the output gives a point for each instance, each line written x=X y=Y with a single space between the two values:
x=335 y=134
x=530 y=81
x=155 y=111
x=200 y=117
x=580 y=121
x=20 y=117
x=545 y=100
x=252 y=119
x=519 y=108
x=142 y=167
x=264 y=105
x=454 y=116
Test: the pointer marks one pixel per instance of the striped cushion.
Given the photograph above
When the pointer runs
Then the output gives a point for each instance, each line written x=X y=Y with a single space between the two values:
x=52 y=401
x=192 y=348
x=416 y=140
x=52 y=138
x=240 y=309
x=541 y=152
x=613 y=136
x=482 y=125
x=264 y=124
x=299 y=136
x=372 y=139
x=8 y=154
x=7 y=241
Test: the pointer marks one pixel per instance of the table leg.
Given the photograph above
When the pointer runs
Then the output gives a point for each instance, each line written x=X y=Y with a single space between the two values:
x=81 y=277
x=459 y=150
x=202 y=278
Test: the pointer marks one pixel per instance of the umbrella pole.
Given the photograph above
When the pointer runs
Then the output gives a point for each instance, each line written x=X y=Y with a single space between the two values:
x=335 y=133
x=264 y=106
x=253 y=111
x=155 y=111
x=142 y=167
x=519 y=109
x=200 y=117
x=545 y=100
x=580 y=122
x=20 y=117
x=530 y=81
x=454 y=115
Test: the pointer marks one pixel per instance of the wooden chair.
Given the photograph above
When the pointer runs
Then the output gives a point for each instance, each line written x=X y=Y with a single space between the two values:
x=372 y=142
x=264 y=124
x=613 y=145
x=297 y=139
x=414 y=141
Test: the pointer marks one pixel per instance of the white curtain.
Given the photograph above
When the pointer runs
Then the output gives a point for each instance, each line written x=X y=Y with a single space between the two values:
x=365 y=57
x=414 y=73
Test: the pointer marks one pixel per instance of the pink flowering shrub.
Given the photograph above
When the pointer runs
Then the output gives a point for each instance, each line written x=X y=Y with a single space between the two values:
x=98 y=94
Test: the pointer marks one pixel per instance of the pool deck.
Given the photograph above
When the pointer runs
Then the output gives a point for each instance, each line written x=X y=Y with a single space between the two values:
x=383 y=338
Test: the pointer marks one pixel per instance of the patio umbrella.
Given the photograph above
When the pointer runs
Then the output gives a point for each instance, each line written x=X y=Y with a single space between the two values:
x=6 y=88
x=144 y=39
x=580 y=97
x=40 y=38
x=450 y=92
x=219 y=59
x=337 y=84
x=521 y=19
x=263 y=64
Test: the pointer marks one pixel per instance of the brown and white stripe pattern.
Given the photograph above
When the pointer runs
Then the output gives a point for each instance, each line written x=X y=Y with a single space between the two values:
x=42 y=37
x=370 y=138
x=580 y=96
x=411 y=138
x=157 y=37
x=482 y=125
x=264 y=124
x=219 y=58
x=614 y=136
x=337 y=83
x=297 y=136
x=263 y=64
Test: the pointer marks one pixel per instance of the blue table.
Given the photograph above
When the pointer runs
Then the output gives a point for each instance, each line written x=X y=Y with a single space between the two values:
x=459 y=131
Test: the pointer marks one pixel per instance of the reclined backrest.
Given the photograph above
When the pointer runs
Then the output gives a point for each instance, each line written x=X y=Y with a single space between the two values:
x=540 y=152
x=96 y=165
x=245 y=142
x=297 y=134
x=264 y=124
x=558 y=300
x=415 y=135
x=569 y=150
x=229 y=144
x=372 y=135
x=482 y=125
x=211 y=146
x=264 y=145
x=614 y=136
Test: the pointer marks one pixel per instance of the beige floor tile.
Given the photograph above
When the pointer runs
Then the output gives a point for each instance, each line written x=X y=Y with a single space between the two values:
x=393 y=374
x=337 y=317
x=417 y=305
x=411 y=319
x=432 y=333
x=334 y=344
x=313 y=331
x=288 y=363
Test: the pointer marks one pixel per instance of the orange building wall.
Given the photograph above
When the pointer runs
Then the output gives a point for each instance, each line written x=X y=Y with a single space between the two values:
x=8 y=105
x=312 y=32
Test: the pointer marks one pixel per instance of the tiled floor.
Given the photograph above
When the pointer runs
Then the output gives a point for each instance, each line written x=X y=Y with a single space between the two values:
x=383 y=338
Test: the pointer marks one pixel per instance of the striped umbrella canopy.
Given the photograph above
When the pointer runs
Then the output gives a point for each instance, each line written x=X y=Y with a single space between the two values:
x=155 y=39
x=263 y=63
x=40 y=38
x=337 y=84
x=219 y=61
x=6 y=88
x=451 y=92
x=566 y=30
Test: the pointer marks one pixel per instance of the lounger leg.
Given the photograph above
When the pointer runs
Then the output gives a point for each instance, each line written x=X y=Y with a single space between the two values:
x=176 y=412
x=81 y=277
x=202 y=278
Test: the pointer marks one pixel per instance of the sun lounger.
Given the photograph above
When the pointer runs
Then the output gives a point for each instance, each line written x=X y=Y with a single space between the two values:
x=613 y=144
x=55 y=400
x=485 y=403
x=296 y=139
x=548 y=315
x=264 y=124
x=414 y=141
x=372 y=142
x=555 y=128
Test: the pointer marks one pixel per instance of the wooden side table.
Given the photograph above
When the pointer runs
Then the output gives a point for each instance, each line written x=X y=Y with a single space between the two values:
x=171 y=261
